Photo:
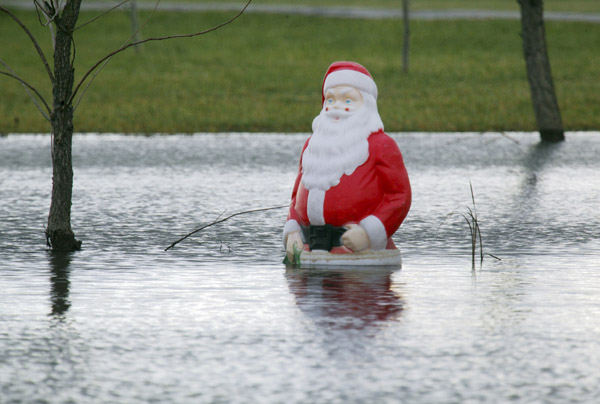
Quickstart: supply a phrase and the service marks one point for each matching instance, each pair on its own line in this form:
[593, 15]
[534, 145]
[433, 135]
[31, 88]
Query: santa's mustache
[336, 114]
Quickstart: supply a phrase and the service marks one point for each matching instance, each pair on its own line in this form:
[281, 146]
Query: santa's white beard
[338, 147]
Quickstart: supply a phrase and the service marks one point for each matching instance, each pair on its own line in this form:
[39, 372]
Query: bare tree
[406, 38]
[543, 96]
[63, 16]
[135, 27]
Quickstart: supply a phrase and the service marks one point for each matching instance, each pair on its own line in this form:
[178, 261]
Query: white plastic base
[320, 258]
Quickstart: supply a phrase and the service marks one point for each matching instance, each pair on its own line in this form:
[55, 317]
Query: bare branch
[29, 86]
[222, 220]
[46, 8]
[100, 15]
[162, 38]
[35, 43]
[48, 23]
[28, 91]
[37, 11]
[50, 12]
[97, 71]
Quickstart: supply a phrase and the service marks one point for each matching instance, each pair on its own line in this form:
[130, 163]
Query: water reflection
[539, 156]
[59, 283]
[531, 220]
[523, 215]
[503, 299]
[350, 298]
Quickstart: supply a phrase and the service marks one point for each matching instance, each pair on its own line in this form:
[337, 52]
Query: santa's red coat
[379, 188]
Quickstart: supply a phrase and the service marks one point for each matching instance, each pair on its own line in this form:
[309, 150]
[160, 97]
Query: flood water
[220, 319]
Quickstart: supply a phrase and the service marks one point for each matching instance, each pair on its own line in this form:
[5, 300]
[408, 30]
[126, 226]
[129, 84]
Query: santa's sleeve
[293, 221]
[393, 178]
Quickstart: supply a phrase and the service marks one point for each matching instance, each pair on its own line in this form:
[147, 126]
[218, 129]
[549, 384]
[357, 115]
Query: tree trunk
[406, 39]
[59, 235]
[543, 96]
[135, 28]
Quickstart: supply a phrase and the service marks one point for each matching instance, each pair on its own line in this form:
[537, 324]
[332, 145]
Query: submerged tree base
[552, 135]
[62, 241]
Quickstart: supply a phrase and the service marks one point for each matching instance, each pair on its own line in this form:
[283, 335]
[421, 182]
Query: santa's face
[339, 141]
[342, 101]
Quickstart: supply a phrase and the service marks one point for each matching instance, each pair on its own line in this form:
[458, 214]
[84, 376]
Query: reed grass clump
[474, 230]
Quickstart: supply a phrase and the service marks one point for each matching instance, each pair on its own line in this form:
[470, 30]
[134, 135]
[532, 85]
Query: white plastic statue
[352, 191]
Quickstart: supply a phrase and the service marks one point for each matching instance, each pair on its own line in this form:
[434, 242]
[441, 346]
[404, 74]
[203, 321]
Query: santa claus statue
[352, 191]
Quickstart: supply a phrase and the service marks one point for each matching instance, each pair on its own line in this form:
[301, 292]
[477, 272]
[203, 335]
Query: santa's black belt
[323, 237]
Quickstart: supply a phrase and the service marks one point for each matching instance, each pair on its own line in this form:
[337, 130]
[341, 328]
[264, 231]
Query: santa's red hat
[349, 74]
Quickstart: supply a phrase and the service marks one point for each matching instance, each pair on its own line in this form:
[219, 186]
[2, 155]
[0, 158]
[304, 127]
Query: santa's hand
[294, 243]
[356, 238]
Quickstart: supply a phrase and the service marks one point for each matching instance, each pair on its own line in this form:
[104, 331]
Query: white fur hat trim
[351, 78]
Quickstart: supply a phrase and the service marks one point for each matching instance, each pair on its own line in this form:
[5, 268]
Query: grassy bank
[264, 73]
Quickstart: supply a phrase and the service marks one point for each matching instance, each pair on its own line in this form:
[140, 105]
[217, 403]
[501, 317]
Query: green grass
[264, 72]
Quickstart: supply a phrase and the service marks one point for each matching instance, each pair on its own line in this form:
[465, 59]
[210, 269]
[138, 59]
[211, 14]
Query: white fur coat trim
[314, 207]
[376, 232]
[290, 227]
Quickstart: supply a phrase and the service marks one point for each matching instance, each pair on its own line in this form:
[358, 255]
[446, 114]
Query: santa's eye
[330, 100]
[348, 101]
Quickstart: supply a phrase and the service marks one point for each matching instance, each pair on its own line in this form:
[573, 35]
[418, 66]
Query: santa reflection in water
[352, 298]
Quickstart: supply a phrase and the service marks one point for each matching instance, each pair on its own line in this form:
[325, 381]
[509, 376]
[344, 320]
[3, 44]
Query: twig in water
[222, 220]
[226, 245]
